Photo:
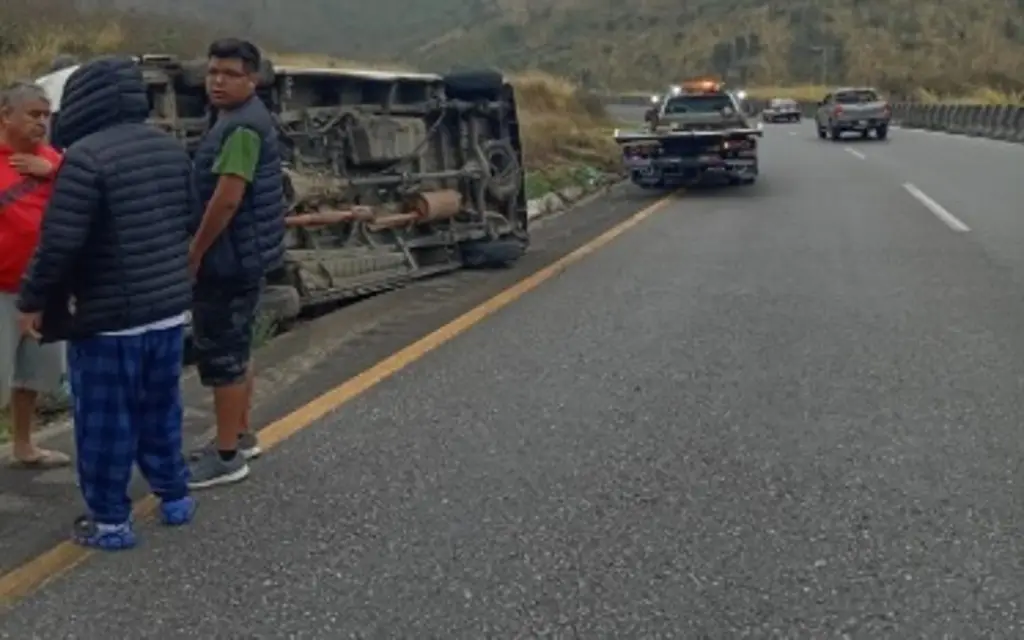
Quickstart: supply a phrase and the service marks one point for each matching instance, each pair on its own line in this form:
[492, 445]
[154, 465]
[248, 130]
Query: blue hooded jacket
[116, 233]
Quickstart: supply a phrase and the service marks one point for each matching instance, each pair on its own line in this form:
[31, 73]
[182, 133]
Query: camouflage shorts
[223, 317]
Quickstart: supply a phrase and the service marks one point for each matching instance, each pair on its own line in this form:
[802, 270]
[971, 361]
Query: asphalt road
[790, 410]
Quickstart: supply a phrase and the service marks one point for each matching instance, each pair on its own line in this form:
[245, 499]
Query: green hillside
[948, 46]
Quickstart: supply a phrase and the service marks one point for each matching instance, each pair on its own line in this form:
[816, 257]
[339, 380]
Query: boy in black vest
[238, 178]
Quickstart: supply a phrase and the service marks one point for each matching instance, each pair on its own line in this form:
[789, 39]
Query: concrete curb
[568, 197]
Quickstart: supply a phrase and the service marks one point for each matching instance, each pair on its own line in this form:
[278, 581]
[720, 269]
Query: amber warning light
[702, 86]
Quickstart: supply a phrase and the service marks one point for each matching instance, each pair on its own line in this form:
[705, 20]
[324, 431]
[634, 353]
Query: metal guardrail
[997, 122]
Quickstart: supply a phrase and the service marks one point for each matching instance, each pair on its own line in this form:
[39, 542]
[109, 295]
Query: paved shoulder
[781, 411]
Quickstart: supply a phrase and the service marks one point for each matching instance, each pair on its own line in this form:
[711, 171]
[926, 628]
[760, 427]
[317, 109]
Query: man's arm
[236, 166]
[65, 227]
[42, 167]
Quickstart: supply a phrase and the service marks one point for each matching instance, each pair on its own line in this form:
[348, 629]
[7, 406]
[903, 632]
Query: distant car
[853, 109]
[782, 110]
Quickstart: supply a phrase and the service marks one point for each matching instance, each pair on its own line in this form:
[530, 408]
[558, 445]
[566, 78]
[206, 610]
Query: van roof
[53, 83]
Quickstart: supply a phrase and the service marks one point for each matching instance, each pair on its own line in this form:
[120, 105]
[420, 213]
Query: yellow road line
[27, 578]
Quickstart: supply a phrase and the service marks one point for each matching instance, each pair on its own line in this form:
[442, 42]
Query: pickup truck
[693, 136]
[857, 109]
[781, 110]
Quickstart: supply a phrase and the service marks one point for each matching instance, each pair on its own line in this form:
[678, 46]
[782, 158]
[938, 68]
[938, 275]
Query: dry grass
[562, 125]
[813, 93]
[41, 47]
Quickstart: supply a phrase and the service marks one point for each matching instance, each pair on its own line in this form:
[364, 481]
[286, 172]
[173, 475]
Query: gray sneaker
[210, 470]
[248, 446]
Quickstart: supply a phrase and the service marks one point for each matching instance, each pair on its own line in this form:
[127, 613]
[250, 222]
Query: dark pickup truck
[782, 110]
[693, 136]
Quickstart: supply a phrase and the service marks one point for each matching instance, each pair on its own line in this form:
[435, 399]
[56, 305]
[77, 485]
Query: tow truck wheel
[882, 132]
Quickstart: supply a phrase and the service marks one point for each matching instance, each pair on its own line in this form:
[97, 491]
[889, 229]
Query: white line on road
[855, 153]
[792, 133]
[940, 212]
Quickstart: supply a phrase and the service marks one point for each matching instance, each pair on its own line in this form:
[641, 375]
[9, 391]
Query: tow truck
[696, 131]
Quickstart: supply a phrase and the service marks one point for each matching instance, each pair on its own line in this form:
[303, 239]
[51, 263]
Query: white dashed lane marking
[940, 212]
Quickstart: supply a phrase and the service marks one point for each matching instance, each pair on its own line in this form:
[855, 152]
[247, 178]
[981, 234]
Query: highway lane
[977, 180]
[789, 410]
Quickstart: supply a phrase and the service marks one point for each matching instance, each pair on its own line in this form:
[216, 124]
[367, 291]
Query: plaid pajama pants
[127, 410]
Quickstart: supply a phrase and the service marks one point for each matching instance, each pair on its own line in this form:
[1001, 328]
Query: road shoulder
[38, 507]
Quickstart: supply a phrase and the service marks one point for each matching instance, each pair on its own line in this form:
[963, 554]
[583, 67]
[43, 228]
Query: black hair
[236, 49]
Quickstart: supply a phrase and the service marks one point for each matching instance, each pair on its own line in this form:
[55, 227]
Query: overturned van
[390, 176]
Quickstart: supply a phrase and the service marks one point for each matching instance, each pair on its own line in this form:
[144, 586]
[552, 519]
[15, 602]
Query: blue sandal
[106, 537]
[177, 513]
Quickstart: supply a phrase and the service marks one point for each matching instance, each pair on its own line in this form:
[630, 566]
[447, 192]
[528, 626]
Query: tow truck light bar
[699, 85]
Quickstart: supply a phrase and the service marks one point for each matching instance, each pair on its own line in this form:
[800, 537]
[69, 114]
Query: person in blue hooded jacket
[111, 276]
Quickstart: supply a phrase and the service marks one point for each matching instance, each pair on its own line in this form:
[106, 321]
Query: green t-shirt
[239, 154]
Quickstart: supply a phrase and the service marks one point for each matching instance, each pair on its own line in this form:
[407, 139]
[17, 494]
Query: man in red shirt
[27, 167]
